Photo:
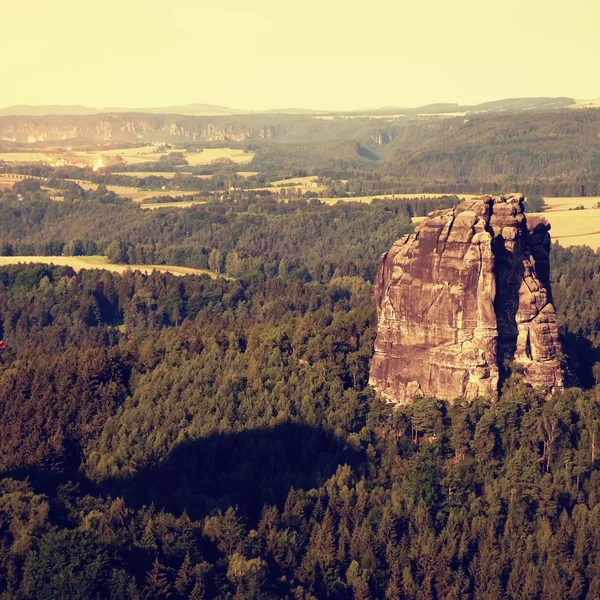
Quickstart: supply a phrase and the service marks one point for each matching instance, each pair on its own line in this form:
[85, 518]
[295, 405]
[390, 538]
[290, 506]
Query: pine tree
[197, 592]
[157, 585]
[148, 542]
[132, 589]
[184, 576]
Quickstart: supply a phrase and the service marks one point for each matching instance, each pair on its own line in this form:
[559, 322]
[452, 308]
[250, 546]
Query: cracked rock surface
[464, 299]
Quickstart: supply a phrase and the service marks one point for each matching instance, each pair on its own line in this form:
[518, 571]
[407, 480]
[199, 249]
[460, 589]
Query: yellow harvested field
[134, 194]
[141, 195]
[209, 155]
[304, 184]
[244, 173]
[166, 175]
[591, 239]
[158, 205]
[562, 204]
[23, 157]
[295, 181]
[586, 103]
[575, 227]
[302, 188]
[100, 262]
[130, 156]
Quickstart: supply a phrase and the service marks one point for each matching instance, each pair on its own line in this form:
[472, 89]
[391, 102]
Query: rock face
[464, 298]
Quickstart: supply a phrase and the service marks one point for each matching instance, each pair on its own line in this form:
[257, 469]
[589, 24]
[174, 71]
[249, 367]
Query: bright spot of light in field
[99, 164]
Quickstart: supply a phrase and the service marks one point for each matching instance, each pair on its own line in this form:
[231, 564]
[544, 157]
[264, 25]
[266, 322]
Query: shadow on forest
[582, 356]
[245, 469]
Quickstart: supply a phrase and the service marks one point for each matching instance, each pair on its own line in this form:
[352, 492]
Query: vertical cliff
[461, 298]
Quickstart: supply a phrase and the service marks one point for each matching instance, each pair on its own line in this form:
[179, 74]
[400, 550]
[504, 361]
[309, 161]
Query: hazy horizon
[334, 56]
[271, 108]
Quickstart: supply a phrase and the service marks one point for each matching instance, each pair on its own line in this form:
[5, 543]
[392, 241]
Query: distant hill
[214, 110]
[523, 104]
[449, 108]
[293, 111]
[50, 109]
[441, 107]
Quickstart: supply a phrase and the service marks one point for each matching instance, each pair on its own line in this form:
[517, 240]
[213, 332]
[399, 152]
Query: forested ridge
[165, 437]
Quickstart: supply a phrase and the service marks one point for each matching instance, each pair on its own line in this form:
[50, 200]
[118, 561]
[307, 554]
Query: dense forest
[252, 235]
[165, 437]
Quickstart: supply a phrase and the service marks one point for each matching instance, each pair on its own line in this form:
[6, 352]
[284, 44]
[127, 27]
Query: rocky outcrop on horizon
[462, 301]
[131, 128]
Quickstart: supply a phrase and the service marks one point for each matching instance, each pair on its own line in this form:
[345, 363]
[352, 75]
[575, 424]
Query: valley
[299, 300]
[222, 364]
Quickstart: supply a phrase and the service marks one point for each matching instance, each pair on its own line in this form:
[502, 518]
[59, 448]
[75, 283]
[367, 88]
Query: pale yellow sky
[328, 54]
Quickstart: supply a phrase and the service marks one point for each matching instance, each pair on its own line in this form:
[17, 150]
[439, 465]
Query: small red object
[3, 347]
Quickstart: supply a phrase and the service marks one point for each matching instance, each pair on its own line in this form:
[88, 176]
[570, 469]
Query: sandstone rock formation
[464, 298]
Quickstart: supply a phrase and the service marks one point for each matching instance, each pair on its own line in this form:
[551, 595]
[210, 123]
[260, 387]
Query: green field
[100, 262]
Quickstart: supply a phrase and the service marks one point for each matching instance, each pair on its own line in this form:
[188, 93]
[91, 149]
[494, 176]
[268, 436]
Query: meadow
[100, 262]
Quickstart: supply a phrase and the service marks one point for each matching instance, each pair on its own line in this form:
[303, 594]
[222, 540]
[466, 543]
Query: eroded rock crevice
[462, 301]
